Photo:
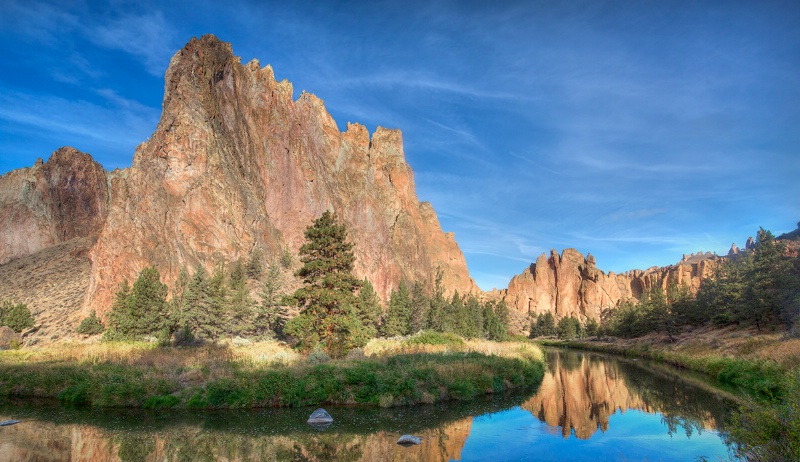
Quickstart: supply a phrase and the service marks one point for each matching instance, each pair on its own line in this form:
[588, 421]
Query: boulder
[320, 419]
[8, 338]
[409, 440]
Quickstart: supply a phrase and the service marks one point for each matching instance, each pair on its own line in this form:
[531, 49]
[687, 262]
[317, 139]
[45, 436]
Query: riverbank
[761, 365]
[385, 373]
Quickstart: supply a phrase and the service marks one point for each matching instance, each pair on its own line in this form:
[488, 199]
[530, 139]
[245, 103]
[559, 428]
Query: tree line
[338, 312]
[759, 288]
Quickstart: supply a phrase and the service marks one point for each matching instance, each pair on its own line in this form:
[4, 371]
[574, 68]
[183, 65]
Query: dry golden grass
[209, 357]
[393, 346]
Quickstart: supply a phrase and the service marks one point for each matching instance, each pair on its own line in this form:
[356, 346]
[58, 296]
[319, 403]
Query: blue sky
[634, 130]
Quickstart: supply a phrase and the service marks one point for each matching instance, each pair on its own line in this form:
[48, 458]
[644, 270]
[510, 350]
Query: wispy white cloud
[148, 37]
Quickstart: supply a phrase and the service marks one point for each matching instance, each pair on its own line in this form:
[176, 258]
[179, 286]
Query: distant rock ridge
[571, 284]
[51, 202]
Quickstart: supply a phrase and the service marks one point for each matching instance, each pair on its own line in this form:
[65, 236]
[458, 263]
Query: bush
[17, 317]
[429, 337]
[318, 357]
[91, 325]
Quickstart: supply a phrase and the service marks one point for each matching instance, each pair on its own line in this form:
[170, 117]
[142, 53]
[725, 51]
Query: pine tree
[327, 299]
[239, 304]
[91, 325]
[438, 303]
[142, 309]
[398, 315]
[255, 264]
[420, 308]
[272, 314]
[368, 308]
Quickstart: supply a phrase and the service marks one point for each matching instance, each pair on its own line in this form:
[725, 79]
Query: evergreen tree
[420, 308]
[142, 309]
[473, 318]
[255, 264]
[239, 313]
[436, 313]
[592, 328]
[91, 325]
[327, 299]
[569, 328]
[493, 324]
[544, 325]
[272, 314]
[398, 315]
[368, 308]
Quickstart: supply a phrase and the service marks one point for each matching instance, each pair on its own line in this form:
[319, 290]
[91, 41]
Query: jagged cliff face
[236, 164]
[571, 285]
[51, 203]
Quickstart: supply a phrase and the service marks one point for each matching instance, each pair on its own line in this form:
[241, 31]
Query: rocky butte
[235, 164]
[571, 284]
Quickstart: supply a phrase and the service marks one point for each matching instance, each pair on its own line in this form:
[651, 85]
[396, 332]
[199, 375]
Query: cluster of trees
[758, 288]
[17, 316]
[338, 312]
[411, 311]
[567, 328]
[202, 305]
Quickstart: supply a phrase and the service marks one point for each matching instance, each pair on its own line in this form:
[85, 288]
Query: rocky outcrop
[235, 164]
[51, 202]
[571, 285]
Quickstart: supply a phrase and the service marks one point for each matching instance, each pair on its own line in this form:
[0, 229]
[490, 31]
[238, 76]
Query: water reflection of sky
[516, 435]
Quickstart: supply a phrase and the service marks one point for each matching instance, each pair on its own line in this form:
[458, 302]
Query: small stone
[409, 440]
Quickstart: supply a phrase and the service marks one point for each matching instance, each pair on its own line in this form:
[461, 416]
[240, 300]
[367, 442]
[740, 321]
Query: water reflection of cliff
[204, 440]
[580, 392]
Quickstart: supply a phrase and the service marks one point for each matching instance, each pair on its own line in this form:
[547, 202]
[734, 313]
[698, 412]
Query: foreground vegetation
[427, 368]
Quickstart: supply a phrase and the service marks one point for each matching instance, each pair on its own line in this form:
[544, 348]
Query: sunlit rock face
[236, 164]
[571, 285]
[51, 202]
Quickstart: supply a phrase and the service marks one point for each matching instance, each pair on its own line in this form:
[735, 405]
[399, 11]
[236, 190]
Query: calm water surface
[588, 407]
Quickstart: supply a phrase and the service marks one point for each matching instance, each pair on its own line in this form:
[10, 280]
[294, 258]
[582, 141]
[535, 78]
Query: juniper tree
[327, 299]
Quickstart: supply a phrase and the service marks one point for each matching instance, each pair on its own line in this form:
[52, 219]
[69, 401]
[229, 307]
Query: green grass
[391, 380]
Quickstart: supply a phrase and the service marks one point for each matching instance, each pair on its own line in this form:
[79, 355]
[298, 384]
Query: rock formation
[571, 285]
[235, 164]
[52, 202]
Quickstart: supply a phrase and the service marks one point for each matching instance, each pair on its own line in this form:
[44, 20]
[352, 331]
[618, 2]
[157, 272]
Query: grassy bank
[385, 373]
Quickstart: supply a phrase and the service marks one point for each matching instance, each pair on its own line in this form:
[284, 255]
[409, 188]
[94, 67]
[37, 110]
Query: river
[589, 407]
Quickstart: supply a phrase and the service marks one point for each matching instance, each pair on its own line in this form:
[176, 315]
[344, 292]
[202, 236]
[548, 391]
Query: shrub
[17, 317]
[91, 325]
[429, 337]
